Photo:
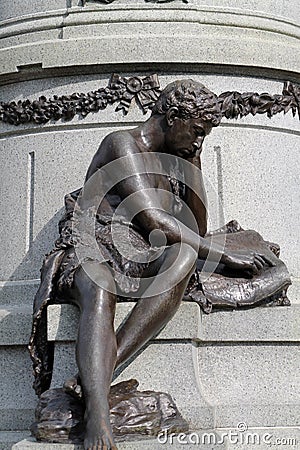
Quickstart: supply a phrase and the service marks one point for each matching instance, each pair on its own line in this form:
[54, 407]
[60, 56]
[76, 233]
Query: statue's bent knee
[93, 275]
[185, 255]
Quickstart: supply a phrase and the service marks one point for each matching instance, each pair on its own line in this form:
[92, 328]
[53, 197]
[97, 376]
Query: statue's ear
[171, 115]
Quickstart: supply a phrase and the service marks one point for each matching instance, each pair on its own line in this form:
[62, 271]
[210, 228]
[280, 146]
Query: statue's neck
[150, 136]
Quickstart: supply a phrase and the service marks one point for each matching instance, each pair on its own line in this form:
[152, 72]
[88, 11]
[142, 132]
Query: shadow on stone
[133, 414]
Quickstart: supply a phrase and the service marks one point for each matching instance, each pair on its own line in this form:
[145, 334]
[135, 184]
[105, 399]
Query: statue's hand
[246, 260]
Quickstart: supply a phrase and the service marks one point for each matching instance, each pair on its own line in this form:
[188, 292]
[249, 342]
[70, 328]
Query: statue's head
[190, 111]
[191, 100]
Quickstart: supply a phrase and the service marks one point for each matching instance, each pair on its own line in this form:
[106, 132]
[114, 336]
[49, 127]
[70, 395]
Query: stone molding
[106, 2]
[77, 36]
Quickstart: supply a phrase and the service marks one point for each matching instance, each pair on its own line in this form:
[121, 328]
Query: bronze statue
[145, 184]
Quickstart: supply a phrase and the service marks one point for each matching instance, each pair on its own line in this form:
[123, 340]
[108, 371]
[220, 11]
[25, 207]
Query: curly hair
[192, 99]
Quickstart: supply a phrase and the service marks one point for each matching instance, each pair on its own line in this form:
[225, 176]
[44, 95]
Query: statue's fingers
[268, 260]
[259, 264]
[261, 260]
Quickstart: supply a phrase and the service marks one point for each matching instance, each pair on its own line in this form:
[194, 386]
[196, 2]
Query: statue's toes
[72, 387]
[78, 390]
[71, 383]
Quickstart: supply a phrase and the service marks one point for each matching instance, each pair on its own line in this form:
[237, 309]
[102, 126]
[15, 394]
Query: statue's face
[185, 137]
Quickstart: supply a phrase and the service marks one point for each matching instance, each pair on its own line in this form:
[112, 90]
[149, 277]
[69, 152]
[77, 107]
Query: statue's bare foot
[73, 387]
[98, 436]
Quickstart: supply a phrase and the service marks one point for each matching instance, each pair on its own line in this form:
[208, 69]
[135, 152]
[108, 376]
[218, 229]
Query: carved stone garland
[145, 91]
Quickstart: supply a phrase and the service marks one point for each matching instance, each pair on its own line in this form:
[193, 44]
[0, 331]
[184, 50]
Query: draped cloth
[224, 288]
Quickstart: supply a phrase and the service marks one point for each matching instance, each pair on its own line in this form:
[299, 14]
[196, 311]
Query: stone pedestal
[221, 369]
[226, 371]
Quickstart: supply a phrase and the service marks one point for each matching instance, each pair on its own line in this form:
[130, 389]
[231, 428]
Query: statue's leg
[153, 311]
[96, 350]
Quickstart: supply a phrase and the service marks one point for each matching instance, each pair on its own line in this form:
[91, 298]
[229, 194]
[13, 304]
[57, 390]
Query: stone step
[15, 324]
[63, 321]
[203, 350]
[17, 417]
[219, 439]
[141, 444]
[277, 324]
[269, 324]
[9, 438]
[219, 368]
[18, 292]
[17, 401]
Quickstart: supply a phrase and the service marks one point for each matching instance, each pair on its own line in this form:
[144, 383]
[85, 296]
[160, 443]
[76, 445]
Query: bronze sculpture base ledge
[133, 414]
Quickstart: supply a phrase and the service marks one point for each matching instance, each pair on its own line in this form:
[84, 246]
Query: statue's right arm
[146, 205]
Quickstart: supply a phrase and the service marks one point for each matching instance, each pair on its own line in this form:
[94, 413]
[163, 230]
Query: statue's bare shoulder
[115, 145]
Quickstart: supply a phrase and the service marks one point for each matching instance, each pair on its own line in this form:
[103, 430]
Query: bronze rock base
[133, 414]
